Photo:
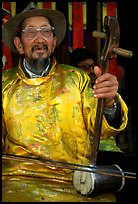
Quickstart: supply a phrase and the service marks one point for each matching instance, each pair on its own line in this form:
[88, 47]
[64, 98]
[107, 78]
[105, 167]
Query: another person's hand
[106, 86]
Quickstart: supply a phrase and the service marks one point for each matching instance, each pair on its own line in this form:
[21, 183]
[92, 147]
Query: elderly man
[48, 109]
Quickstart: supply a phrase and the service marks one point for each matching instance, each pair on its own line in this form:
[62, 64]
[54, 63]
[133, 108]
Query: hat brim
[10, 27]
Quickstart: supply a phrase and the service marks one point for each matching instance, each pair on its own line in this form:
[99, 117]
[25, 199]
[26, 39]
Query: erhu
[92, 183]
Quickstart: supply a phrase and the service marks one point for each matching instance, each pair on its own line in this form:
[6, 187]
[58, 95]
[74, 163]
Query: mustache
[39, 47]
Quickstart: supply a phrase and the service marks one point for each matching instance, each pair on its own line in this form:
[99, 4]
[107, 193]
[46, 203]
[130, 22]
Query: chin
[40, 55]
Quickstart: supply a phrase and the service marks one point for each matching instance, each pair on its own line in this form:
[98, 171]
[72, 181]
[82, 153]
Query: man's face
[86, 65]
[36, 45]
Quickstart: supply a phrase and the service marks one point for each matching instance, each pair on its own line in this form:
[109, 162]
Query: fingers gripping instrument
[91, 183]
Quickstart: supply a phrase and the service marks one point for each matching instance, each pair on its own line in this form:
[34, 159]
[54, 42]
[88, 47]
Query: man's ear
[18, 45]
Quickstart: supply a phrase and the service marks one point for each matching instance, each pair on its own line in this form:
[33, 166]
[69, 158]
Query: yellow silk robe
[50, 117]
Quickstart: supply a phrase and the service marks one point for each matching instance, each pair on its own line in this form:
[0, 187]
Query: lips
[39, 48]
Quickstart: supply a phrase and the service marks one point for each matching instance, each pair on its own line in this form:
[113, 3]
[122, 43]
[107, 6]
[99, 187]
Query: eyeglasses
[87, 66]
[31, 32]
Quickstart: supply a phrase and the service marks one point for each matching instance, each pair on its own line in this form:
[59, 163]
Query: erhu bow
[65, 165]
[91, 183]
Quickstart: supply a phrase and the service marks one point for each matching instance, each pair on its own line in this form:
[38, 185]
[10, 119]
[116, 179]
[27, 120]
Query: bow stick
[65, 165]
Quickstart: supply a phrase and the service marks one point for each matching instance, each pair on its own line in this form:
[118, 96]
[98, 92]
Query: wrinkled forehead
[36, 20]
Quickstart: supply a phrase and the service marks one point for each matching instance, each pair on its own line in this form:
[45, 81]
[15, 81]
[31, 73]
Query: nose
[39, 37]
